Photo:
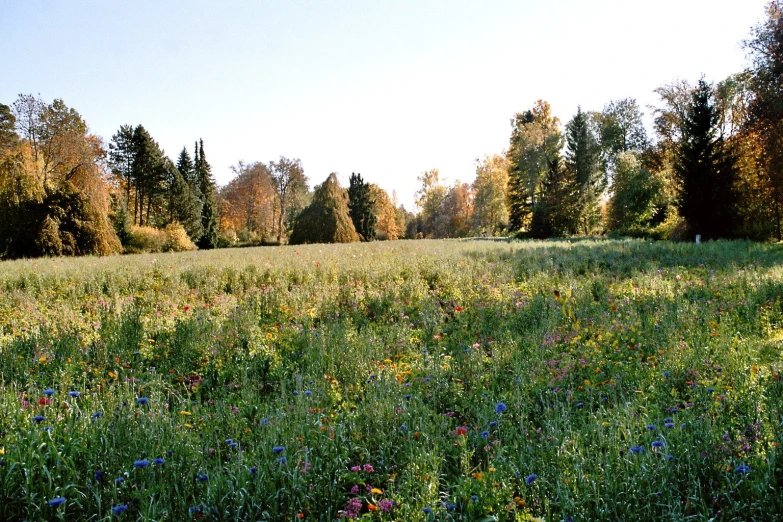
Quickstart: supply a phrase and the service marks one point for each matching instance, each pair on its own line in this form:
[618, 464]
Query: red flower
[461, 430]
[43, 401]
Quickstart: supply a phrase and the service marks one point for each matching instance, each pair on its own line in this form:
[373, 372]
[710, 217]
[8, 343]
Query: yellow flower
[376, 491]
[112, 375]
[183, 412]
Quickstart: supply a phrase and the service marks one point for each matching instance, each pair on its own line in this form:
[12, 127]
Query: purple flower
[385, 505]
[650, 427]
[356, 469]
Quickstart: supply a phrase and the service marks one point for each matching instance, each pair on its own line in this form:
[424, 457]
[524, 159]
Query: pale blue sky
[388, 89]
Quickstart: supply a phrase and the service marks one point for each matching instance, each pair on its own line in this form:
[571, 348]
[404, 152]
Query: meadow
[405, 380]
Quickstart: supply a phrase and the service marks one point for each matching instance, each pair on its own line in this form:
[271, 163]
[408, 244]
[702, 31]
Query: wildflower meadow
[402, 381]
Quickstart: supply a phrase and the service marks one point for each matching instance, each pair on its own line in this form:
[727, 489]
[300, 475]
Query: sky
[385, 89]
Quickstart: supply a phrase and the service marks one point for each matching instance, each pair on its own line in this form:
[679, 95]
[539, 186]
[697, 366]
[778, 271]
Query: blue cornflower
[580, 404]
[403, 428]
[492, 424]
[666, 374]
[278, 449]
[710, 390]
[742, 468]
[142, 400]
[637, 449]
[119, 480]
[56, 501]
[308, 393]
[407, 397]
[253, 471]
[96, 415]
[202, 477]
[49, 392]
[195, 509]
[650, 427]
[159, 461]
[48, 428]
[233, 444]
[119, 509]
[669, 425]
[500, 408]
[474, 498]
[296, 392]
[39, 418]
[281, 460]
[670, 457]
[485, 434]
[143, 463]
[530, 479]
[451, 507]
[229, 441]
[73, 394]
[427, 510]
[98, 475]
[264, 421]
[657, 444]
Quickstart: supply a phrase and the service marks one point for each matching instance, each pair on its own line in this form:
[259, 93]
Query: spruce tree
[184, 206]
[553, 215]
[583, 164]
[705, 169]
[208, 196]
[361, 205]
[187, 169]
[326, 219]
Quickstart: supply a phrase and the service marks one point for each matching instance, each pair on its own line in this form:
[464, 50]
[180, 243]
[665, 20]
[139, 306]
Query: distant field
[404, 380]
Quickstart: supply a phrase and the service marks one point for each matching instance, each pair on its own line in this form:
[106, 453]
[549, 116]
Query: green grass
[396, 355]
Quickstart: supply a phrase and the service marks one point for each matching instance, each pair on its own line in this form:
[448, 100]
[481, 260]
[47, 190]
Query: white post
[698, 239]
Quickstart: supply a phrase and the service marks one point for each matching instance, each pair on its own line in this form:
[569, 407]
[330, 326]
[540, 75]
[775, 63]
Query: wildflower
[451, 507]
[742, 468]
[143, 463]
[355, 490]
[637, 449]
[195, 509]
[296, 393]
[474, 498]
[56, 501]
[119, 480]
[710, 390]
[43, 401]
[485, 434]
[278, 449]
[669, 425]
[356, 469]
[368, 468]
[263, 421]
[461, 430]
[530, 479]
[666, 374]
[427, 510]
[73, 394]
[96, 415]
[38, 419]
[98, 475]
[49, 392]
[253, 471]
[376, 491]
[580, 404]
[119, 509]
[159, 461]
[492, 424]
[385, 505]
[309, 393]
[657, 444]
[403, 428]
[500, 408]
[142, 400]
[650, 427]
[202, 477]
[407, 397]
[281, 460]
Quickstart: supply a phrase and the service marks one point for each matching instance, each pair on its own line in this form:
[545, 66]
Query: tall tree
[208, 196]
[122, 153]
[289, 183]
[766, 107]
[387, 225]
[620, 129]
[184, 206]
[583, 163]
[8, 137]
[149, 177]
[535, 142]
[326, 219]
[360, 207]
[636, 193]
[705, 169]
[551, 217]
[490, 211]
[248, 201]
[186, 167]
[429, 199]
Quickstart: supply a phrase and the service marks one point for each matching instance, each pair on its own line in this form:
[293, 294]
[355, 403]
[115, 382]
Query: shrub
[177, 238]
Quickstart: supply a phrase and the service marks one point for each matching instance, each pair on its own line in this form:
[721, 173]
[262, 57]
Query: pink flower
[356, 469]
[355, 490]
[368, 468]
[385, 505]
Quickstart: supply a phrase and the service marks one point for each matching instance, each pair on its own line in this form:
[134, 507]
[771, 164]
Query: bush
[172, 238]
[177, 238]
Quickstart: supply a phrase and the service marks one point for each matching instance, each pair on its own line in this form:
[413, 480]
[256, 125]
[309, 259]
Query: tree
[122, 153]
[248, 201]
[326, 219]
[620, 129]
[582, 162]
[551, 217]
[705, 169]
[149, 177]
[535, 142]
[186, 167]
[208, 197]
[184, 207]
[457, 208]
[766, 106]
[387, 224]
[360, 207]
[290, 183]
[637, 191]
[429, 199]
[490, 211]
[8, 137]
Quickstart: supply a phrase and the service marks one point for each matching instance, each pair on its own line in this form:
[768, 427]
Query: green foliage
[208, 196]
[184, 206]
[705, 169]
[361, 207]
[556, 213]
[582, 158]
[636, 196]
[121, 221]
[326, 219]
[8, 137]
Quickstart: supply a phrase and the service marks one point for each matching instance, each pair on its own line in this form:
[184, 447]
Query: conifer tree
[360, 205]
[326, 219]
[705, 169]
[187, 169]
[583, 165]
[553, 216]
[208, 197]
[184, 207]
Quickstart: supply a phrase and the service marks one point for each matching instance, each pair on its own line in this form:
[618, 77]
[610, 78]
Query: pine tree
[705, 169]
[360, 205]
[583, 164]
[208, 196]
[326, 219]
[184, 207]
[553, 215]
[187, 169]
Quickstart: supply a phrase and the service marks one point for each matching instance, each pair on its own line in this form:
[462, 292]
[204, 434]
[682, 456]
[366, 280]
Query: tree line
[712, 166]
